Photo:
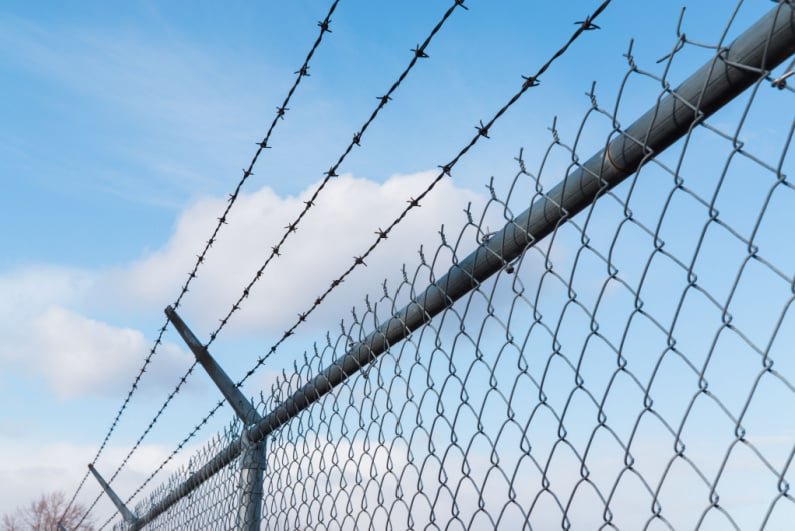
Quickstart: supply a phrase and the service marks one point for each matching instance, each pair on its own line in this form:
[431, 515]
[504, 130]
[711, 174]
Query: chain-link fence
[619, 355]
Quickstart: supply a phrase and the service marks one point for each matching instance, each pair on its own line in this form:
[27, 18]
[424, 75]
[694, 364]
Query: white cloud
[26, 292]
[46, 333]
[29, 469]
[78, 328]
[80, 354]
[341, 226]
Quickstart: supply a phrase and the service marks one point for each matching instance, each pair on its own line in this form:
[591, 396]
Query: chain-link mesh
[215, 507]
[631, 370]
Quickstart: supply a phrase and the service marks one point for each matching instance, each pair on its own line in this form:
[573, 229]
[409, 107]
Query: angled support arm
[126, 514]
[242, 406]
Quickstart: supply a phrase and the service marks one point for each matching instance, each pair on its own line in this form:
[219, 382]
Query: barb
[302, 72]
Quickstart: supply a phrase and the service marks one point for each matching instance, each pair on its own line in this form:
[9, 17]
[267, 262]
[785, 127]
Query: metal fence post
[126, 514]
[253, 459]
[252, 469]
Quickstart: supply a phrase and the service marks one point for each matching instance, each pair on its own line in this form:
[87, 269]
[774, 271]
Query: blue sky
[123, 128]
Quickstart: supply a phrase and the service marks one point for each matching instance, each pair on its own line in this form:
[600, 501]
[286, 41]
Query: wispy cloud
[170, 110]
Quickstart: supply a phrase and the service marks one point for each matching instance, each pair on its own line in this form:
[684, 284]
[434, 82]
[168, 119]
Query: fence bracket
[128, 516]
[242, 406]
[253, 459]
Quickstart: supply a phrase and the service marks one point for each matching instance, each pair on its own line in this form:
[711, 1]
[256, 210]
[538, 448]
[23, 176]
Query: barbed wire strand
[262, 145]
[482, 131]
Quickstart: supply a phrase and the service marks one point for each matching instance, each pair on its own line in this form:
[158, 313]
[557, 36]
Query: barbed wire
[419, 53]
[382, 234]
[302, 72]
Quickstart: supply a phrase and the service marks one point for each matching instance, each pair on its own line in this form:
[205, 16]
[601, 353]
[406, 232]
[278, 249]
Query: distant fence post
[126, 514]
[252, 463]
